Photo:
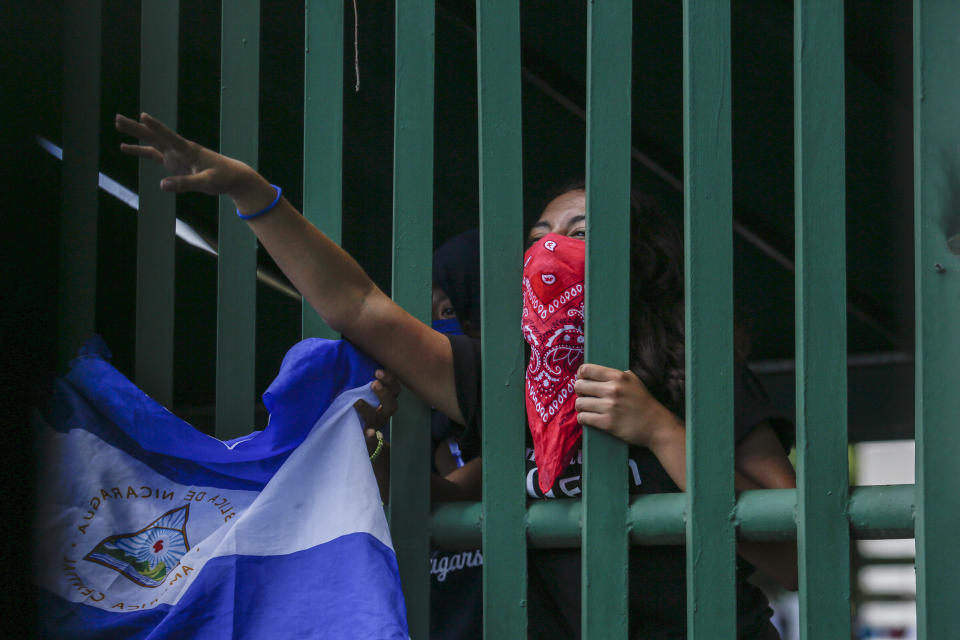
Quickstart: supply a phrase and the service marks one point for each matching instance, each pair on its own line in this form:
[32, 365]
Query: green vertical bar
[412, 275]
[937, 236]
[237, 261]
[708, 265]
[501, 257]
[322, 132]
[81, 157]
[823, 533]
[156, 222]
[605, 554]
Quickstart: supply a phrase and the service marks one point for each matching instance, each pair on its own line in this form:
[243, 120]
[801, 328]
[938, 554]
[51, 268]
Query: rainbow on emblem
[146, 556]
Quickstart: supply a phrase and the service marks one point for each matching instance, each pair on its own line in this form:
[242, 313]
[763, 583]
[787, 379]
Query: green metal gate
[823, 513]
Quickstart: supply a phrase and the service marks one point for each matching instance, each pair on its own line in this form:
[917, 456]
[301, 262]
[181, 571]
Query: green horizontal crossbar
[875, 512]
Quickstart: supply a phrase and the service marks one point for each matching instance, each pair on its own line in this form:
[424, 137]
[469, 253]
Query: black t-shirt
[456, 595]
[657, 573]
[456, 580]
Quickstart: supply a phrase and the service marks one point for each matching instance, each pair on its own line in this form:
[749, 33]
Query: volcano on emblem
[548, 278]
[145, 557]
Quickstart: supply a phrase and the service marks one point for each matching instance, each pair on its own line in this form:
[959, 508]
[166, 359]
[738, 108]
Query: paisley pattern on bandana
[552, 324]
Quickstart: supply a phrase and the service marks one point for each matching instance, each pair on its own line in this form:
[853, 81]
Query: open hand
[193, 167]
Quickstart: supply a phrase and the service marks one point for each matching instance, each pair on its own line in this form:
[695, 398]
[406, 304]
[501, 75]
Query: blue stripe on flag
[96, 397]
[347, 588]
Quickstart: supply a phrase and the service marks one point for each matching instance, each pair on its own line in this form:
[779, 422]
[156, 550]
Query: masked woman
[641, 407]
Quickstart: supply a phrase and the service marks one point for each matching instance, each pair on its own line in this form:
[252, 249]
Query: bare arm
[759, 464]
[617, 402]
[460, 485]
[329, 278]
[349, 302]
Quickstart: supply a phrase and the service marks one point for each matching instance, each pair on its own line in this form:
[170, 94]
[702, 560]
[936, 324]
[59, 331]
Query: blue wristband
[266, 209]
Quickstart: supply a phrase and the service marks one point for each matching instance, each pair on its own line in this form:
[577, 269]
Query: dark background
[879, 186]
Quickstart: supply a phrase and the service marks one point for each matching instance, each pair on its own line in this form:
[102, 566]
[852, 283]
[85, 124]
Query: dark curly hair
[656, 302]
[657, 299]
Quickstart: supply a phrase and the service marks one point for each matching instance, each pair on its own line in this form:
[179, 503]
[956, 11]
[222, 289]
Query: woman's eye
[579, 233]
[448, 312]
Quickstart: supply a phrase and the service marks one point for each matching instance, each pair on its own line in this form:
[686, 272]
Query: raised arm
[326, 275]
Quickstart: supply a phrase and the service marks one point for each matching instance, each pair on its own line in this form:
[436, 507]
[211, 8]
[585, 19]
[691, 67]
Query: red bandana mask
[552, 324]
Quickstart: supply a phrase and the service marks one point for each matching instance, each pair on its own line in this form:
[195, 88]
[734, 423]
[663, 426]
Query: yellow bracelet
[376, 452]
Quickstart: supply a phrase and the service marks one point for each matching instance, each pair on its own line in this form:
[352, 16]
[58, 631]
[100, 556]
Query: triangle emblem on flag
[146, 556]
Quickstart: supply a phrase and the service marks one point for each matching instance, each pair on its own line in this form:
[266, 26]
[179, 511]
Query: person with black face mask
[456, 576]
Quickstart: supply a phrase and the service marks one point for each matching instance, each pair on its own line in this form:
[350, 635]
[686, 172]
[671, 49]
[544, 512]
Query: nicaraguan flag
[147, 528]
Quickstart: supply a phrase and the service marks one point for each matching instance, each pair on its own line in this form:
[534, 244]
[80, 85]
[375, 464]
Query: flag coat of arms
[148, 528]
